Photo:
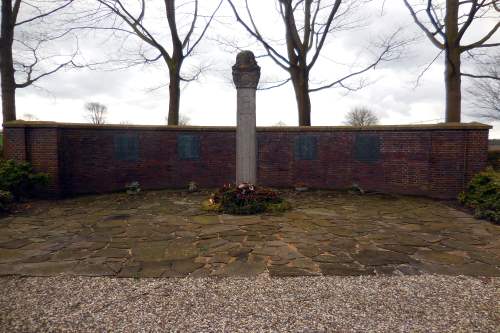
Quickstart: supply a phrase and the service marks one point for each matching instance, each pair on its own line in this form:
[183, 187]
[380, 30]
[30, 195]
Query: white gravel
[424, 303]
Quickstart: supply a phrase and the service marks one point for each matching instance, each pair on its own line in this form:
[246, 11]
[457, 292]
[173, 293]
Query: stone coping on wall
[419, 127]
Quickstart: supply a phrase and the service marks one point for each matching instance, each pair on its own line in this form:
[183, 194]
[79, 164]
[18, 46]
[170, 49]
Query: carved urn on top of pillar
[246, 74]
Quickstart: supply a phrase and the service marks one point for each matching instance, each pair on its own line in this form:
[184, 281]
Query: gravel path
[425, 303]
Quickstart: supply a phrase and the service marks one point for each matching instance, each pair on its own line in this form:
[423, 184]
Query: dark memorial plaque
[367, 148]
[188, 147]
[126, 147]
[306, 147]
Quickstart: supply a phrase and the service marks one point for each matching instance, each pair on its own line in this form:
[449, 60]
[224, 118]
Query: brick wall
[432, 160]
[90, 164]
[39, 146]
[14, 143]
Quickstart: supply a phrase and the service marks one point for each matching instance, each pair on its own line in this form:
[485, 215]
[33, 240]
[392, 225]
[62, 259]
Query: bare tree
[21, 62]
[307, 25]
[445, 27]
[29, 117]
[183, 120]
[485, 93]
[361, 116]
[96, 113]
[184, 35]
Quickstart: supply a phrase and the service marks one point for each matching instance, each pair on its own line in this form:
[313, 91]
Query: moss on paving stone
[242, 268]
[338, 257]
[15, 244]
[380, 258]
[399, 248]
[93, 269]
[447, 258]
[186, 266]
[345, 270]
[285, 271]
[112, 253]
[158, 269]
[130, 270]
[206, 219]
[166, 234]
[149, 252]
[48, 268]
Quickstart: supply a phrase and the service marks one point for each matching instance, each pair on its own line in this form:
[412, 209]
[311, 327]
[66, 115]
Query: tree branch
[481, 76]
[390, 45]
[275, 55]
[276, 85]
[482, 41]
[325, 33]
[429, 34]
[41, 15]
[190, 50]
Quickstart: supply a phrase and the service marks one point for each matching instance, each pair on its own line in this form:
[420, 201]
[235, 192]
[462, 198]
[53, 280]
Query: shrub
[19, 179]
[494, 159]
[245, 199]
[483, 195]
[6, 200]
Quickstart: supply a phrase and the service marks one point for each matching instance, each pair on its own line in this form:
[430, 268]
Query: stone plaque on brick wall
[367, 148]
[188, 147]
[126, 147]
[306, 147]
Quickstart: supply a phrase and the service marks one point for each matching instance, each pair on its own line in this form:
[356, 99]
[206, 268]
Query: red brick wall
[432, 160]
[90, 165]
[14, 144]
[40, 147]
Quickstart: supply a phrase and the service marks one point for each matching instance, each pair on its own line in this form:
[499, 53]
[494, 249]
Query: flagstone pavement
[166, 234]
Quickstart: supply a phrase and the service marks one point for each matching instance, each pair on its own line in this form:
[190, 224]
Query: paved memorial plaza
[166, 234]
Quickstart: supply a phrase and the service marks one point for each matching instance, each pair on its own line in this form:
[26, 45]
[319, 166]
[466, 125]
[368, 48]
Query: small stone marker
[246, 74]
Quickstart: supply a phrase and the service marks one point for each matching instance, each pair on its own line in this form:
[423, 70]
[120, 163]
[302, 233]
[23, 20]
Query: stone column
[246, 74]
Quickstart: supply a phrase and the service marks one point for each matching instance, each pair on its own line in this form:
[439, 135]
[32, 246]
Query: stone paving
[166, 234]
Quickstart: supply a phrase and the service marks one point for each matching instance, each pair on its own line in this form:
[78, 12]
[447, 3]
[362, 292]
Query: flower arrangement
[245, 199]
[192, 187]
[133, 188]
[301, 187]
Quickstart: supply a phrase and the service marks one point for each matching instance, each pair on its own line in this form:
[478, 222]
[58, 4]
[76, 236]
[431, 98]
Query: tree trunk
[174, 97]
[452, 74]
[6, 64]
[8, 93]
[300, 80]
[453, 86]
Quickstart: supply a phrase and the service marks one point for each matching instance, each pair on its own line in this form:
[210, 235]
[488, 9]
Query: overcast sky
[139, 95]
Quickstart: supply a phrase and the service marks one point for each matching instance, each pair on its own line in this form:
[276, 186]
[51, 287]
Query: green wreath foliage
[245, 199]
